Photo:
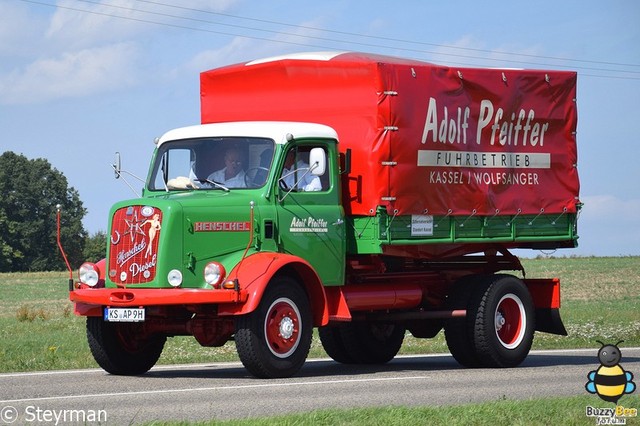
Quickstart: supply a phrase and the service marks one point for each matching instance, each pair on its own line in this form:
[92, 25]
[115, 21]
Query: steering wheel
[251, 175]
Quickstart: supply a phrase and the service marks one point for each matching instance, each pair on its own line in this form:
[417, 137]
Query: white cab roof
[308, 56]
[276, 130]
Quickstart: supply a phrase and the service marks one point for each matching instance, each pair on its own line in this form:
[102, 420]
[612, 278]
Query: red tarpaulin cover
[425, 139]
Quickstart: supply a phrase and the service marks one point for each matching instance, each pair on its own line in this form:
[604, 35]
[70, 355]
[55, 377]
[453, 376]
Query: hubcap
[282, 327]
[500, 321]
[286, 328]
[510, 321]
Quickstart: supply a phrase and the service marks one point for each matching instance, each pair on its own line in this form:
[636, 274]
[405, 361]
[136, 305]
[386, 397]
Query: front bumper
[90, 301]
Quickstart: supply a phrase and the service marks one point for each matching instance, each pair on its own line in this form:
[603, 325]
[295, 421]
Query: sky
[80, 80]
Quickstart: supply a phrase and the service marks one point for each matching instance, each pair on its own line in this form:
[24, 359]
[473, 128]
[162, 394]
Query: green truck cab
[193, 253]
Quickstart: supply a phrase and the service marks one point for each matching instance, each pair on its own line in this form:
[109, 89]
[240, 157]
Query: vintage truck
[365, 195]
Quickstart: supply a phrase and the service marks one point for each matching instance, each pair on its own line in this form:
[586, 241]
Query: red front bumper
[89, 302]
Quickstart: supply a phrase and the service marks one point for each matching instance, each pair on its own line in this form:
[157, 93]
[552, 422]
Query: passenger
[263, 169]
[299, 170]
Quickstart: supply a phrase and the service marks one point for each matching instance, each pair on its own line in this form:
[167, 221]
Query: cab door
[311, 221]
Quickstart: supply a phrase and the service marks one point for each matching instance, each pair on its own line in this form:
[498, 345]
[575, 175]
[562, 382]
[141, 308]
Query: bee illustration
[610, 381]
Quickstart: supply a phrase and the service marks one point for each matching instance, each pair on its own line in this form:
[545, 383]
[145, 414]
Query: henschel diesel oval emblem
[146, 211]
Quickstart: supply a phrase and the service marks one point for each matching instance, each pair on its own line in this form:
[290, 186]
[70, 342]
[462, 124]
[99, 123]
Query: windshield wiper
[212, 182]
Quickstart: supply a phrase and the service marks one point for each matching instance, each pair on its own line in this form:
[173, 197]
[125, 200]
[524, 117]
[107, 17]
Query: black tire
[274, 340]
[331, 338]
[504, 323]
[499, 326]
[458, 332]
[372, 342]
[123, 348]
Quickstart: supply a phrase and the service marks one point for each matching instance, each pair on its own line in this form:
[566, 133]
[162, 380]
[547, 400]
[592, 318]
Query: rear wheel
[372, 342]
[274, 340]
[499, 326]
[123, 348]
[458, 332]
[331, 338]
[504, 325]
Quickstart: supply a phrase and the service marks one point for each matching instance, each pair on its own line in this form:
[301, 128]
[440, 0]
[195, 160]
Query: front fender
[256, 271]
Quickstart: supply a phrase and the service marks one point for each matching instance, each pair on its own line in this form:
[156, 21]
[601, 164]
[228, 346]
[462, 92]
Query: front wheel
[123, 348]
[274, 340]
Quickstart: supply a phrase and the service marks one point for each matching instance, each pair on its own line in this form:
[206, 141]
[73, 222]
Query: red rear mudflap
[545, 293]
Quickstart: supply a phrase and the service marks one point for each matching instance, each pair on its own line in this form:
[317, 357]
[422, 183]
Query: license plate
[124, 314]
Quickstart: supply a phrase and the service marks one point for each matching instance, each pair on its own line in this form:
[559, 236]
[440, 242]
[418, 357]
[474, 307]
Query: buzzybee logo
[610, 382]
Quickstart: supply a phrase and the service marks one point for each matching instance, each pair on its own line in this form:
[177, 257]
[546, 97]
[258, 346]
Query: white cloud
[470, 51]
[72, 74]
[608, 226]
[241, 49]
[17, 30]
[610, 208]
[77, 24]
[233, 52]
[79, 49]
[83, 24]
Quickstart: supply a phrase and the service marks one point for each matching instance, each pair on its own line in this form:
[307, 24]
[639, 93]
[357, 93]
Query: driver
[232, 175]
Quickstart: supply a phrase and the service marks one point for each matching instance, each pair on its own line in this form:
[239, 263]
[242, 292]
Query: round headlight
[174, 277]
[214, 273]
[89, 274]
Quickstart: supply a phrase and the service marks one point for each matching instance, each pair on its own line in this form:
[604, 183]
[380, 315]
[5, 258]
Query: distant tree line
[30, 190]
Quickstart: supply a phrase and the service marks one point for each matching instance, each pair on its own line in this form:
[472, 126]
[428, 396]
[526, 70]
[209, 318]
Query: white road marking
[214, 388]
[238, 364]
[269, 384]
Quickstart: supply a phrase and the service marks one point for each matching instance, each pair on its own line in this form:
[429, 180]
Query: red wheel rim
[282, 327]
[510, 321]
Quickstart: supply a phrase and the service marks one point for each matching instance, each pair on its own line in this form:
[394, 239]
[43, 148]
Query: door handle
[338, 222]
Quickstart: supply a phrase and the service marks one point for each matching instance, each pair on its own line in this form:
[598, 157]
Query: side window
[175, 163]
[297, 176]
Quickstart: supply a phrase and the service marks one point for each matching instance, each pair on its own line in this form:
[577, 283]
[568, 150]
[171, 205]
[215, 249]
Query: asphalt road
[225, 390]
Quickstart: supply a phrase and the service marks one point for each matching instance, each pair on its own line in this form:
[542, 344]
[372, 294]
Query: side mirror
[117, 170]
[117, 166]
[317, 161]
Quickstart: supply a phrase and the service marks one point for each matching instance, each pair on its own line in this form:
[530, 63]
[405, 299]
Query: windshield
[212, 163]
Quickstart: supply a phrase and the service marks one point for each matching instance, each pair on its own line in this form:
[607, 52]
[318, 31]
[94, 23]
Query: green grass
[39, 331]
[547, 411]
[600, 300]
